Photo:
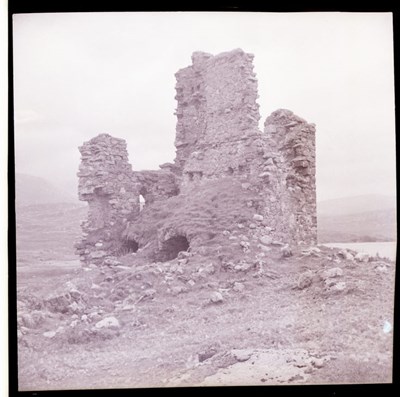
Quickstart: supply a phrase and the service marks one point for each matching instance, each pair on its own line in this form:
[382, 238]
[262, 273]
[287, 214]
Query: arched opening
[128, 247]
[172, 247]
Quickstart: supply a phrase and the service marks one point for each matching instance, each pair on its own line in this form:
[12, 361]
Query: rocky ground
[315, 315]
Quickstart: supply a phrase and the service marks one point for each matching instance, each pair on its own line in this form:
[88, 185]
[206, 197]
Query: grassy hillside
[357, 219]
[362, 227]
[202, 214]
[48, 231]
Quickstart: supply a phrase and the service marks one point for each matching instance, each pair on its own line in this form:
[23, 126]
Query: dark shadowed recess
[172, 247]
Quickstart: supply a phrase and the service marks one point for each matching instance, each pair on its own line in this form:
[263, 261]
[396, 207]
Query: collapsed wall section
[113, 190]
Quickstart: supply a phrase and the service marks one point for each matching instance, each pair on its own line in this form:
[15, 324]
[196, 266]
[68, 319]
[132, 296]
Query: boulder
[49, 334]
[266, 240]
[176, 290]
[338, 287]
[28, 321]
[264, 248]
[277, 243]
[362, 257]
[243, 266]
[59, 303]
[245, 245]
[381, 268]
[205, 355]
[344, 254]
[286, 251]
[305, 280]
[332, 272]
[216, 297]
[241, 355]
[110, 261]
[317, 362]
[209, 269]
[75, 307]
[311, 251]
[150, 293]
[238, 287]
[349, 256]
[329, 282]
[97, 254]
[108, 322]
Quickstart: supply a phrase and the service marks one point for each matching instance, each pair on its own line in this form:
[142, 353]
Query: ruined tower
[216, 106]
[228, 175]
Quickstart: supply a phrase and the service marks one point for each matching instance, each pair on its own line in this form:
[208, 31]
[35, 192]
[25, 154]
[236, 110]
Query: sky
[80, 74]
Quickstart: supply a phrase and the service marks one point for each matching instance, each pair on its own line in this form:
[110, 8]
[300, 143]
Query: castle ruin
[229, 179]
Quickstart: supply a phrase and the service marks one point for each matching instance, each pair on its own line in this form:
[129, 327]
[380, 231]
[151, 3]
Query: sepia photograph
[204, 199]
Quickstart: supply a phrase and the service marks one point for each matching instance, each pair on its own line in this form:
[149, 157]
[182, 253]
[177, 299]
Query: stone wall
[217, 114]
[292, 143]
[105, 182]
[279, 164]
[156, 185]
[217, 137]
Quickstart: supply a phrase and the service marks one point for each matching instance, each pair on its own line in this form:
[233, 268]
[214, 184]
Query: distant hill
[32, 190]
[47, 220]
[356, 205]
[357, 219]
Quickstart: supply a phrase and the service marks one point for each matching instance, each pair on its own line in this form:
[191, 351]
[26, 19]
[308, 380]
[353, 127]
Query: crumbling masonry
[219, 149]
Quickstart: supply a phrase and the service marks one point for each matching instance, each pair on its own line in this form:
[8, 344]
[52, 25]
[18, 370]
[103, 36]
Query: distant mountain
[356, 205]
[357, 219]
[32, 190]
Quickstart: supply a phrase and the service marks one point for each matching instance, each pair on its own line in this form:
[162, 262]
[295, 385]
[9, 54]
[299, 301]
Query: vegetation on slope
[201, 215]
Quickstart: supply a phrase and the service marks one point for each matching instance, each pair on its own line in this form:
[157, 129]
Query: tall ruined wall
[292, 143]
[105, 182]
[217, 114]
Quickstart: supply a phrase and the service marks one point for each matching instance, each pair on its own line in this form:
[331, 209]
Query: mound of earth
[306, 315]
